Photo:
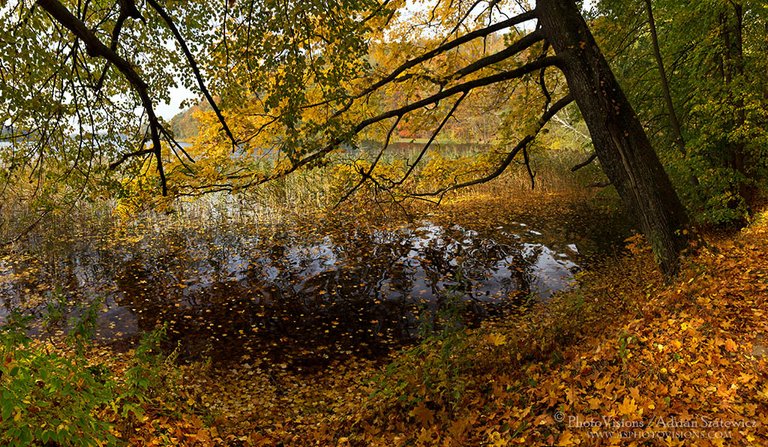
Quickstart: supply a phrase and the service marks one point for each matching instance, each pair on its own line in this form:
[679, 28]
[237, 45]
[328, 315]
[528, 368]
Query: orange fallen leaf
[422, 414]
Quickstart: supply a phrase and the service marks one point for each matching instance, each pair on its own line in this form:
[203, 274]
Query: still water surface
[291, 299]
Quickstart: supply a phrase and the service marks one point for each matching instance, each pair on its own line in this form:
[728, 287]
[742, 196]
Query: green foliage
[55, 308]
[82, 326]
[144, 373]
[58, 130]
[433, 372]
[625, 340]
[48, 398]
[713, 53]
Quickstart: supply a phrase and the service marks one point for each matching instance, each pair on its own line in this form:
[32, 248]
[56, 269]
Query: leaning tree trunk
[620, 142]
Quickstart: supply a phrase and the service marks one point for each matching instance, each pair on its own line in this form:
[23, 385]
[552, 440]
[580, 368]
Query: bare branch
[524, 43]
[542, 79]
[176, 148]
[570, 127]
[585, 163]
[523, 144]
[128, 156]
[465, 87]
[367, 175]
[431, 140]
[527, 161]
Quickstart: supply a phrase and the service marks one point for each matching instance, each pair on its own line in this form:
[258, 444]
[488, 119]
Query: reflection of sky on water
[373, 284]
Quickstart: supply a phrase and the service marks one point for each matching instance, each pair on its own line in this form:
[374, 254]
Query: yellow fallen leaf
[627, 407]
[496, 339]
[566, 439]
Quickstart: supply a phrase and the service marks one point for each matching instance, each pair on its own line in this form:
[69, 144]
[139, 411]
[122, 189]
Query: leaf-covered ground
[624, 359]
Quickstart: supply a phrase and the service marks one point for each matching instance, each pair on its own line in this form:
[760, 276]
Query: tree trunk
[620, 142]
[734, 62]
[673, 121]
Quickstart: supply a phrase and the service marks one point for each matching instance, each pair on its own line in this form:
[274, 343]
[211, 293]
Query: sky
[169, 110]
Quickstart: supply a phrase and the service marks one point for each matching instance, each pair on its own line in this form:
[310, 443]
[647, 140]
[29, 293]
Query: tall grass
[308, 194]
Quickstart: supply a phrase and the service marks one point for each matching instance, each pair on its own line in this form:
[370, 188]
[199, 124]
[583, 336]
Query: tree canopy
[713, 56]
[289, 84]
[296, 80]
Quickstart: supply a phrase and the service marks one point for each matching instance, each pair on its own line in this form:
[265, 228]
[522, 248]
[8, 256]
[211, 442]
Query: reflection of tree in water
[289, 300]
[142, 291]
[69, 272]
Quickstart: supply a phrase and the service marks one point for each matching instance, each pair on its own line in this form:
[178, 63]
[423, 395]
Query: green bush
[432, 372]
[47, 398]
[51, 398]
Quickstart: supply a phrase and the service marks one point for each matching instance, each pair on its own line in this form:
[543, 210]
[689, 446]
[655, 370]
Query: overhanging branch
[365, 175]
[464, 87]
[437, 97]
[431, 139]
[585, 163]
[516, 20]
[521, 145]
[195, 69]
[521, 45]
[96, 48]
[447, 46]
[126, 157]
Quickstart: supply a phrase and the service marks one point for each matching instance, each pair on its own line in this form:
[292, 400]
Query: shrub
[47, 398]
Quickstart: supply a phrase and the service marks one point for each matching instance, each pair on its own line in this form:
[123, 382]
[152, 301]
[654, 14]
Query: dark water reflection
[292, 300]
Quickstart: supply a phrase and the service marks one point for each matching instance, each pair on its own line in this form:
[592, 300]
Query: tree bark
[620, 142]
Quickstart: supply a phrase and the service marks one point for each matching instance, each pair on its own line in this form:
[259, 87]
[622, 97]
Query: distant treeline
[184, 125]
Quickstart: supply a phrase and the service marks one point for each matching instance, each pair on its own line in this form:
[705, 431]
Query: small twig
[367, 175]
[431, 140]
[522, 144]
[129, 155]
